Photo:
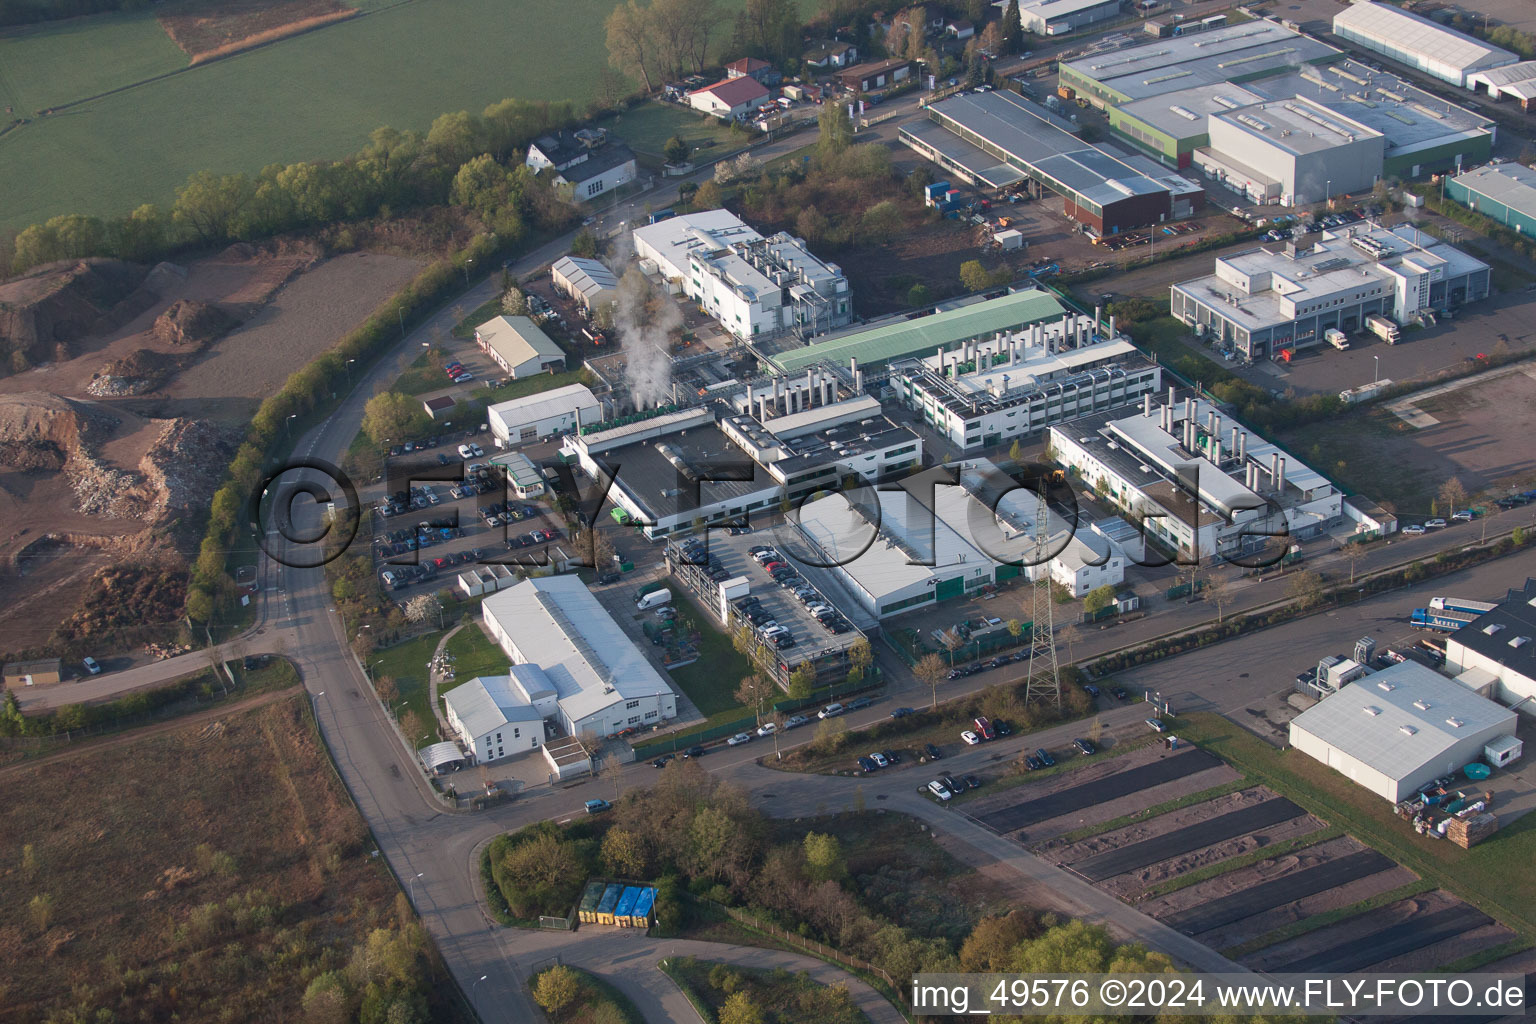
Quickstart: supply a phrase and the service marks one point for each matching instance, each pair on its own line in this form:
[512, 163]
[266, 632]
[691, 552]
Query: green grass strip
[1493, 954]
[1242, 860]
[1089, 831]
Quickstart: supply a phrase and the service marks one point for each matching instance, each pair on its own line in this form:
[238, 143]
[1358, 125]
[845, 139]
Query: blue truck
[1439, 620]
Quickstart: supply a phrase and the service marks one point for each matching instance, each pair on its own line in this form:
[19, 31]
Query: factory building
[881, 342]
[1395, 731]
[1203, 484]
[779, 440]
[1020, 382]
[542, 414]
[588, 282]
[1272, 300]
[924, 542]
[1059, 17]
[1418, 42]
[756, 287]
[1176, 90]
[1294, 153]
[1497, 650]
[1512, 81]
[995, 139]
[1505, 193]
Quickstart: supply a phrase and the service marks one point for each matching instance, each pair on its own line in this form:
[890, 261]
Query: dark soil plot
[1271, 894]
[1192, 837]
[1394, 940]
[1447, 950]
[1111, 787]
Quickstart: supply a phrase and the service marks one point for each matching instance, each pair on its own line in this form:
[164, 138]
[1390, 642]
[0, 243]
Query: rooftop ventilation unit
[1454, 722]
[1371, 710]
[1385, 686]
[1185, 112]
[1421, 704]
[1520, 641]
[1493, 627]
[1407, 730]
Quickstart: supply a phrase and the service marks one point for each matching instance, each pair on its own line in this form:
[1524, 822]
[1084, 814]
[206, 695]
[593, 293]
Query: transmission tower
[1044, 679]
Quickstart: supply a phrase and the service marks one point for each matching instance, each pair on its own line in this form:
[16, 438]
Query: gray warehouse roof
[1409, 33]
[1513, 185]
[1400, 719]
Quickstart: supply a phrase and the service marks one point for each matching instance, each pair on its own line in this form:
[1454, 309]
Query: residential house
[831, 54]
[750, 67]
[585, 159]
[875, 76]
[730, 97]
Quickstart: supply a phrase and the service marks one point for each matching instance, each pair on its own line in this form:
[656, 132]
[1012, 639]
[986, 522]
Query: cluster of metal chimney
[818, 388]
[1254, 474]
[1076, 331]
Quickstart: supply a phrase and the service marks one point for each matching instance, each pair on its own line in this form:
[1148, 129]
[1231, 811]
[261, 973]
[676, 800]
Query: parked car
[866, 765]
[1156, 724]
[767, 729]
[1434, 524]
[1032, 763]
[1091, 690]
[1044, 757]
[1466, 515]
[597, 806]
[939, 790]
[971, 781]
[881, 761]
[859, 703]
[984, 728]
[694, 752]
[902, 712]
[795, 721]
[91, 666]
[1120, 693]
[661, 762]
[1085, 747]
[831, 711]
[933, 752]
[739, 739]
[970, 738]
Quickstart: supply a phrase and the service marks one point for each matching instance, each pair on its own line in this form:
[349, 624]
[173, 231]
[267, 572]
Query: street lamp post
[472, 989]
[413, 888]
[1328, 202]
[466, 272]
[1377, 377]
[349, 371]
[288, 423]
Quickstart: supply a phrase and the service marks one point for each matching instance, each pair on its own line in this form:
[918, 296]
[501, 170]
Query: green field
[313, 96]
[648, 127]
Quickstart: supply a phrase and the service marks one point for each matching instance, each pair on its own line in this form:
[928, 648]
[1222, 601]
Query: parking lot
[425, 533]
[1398, 923]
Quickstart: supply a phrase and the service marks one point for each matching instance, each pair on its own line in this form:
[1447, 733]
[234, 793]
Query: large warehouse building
[755, 287]
[1270, 301]
[1502, 645]
[1059, 17]
[952, 324]
[1204, 484]
[1187, 98]
[1418, 42]
[1395, 731]
[1017, 384]
[1512, 81]
[995, 139]
[1504, 192]
[572, 662]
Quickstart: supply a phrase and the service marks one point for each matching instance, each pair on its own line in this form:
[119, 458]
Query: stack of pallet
[1467, 833]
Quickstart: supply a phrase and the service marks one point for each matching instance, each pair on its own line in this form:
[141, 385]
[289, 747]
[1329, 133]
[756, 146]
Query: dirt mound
[47, 309]
[183, 468]
[187, 322]
[43, 431]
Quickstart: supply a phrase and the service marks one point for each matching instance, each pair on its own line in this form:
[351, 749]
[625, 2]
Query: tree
[930, 670]
[41, 909]
[211, 204]
[882, 221]
[556, 988]
[1012, 28]
[629, 42]
[1218, 591]
[755, 692]
[952, 642]
[991, 39]
[802, 681]
[1453, 495]
[740, 1009]
[811, 224]
[584, 244]
[1306, 589]
[824, 857]
[624, 854]
[974, 277]
[676, 151]
[1016, 452]
[769, 29]
[514, 302]
[990, 946]
[860, 654]
[1098, 599]
[420, 607]
[919, 295]
[835, 131]
[391, 416]
[777, 719]
[709, 196]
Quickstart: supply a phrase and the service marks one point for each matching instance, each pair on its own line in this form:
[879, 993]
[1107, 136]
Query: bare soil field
[1131, 803]
[1438, 954]
[1068, 780]
[205, 30]
[1353, 931]
[131, 900]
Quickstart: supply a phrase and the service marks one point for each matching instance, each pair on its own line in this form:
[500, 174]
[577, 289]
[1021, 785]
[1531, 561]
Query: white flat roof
[559, 626]
[1410, 33]
[1371, 718]
[543, 404]
[674, 238]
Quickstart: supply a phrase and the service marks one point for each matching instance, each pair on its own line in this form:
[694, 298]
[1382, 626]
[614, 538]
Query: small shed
[567, 758]
[586, 910]
[439, 408]
[606, 905]
[34, 673]
[441, 758]
[625, 906]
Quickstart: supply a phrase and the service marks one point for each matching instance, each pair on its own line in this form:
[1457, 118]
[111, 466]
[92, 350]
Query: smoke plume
[644, 318]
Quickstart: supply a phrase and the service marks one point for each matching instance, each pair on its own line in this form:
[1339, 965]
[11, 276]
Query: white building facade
[545, 413]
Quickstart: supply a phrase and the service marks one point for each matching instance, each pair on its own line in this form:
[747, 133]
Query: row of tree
[458, 160]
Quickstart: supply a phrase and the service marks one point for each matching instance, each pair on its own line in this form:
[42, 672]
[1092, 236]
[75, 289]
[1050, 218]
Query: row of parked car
[785, 576]
[400, 502]
[1466, 515]
[697, 554]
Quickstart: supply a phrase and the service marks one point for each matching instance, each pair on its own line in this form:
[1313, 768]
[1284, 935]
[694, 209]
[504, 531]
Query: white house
[557, 411]
[585, 160]
[500, 716]
[518, 346]
[598, 681]
[730, 97]
[831, 54]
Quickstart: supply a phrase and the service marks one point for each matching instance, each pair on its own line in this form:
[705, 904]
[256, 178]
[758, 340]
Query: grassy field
[43, 66]
[784, 997]
[711, 681]
[647, 128]
[1490, 876]
[1343, 447]
[407, 664]
[207, 872]
[312, 96]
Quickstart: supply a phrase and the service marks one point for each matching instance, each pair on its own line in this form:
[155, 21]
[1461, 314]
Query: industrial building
[894, 338]
[524, 479]
[1272, 300]
[1499, 648]
[1418, 42]
[1512, 80]
[588, 282]
[776, 442]
[1186, 99]
[496, 716]
[1058, 17]
[545, 413]
[1203, 484]
[1505, 193]
[921, 542]
[571, 662]
[1395, 731]
[756, 287]
[996, 139]
[1020, 382]
[519, 347]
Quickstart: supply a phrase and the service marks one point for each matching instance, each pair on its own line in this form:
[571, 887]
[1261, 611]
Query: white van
[939, 790]
[654, 599]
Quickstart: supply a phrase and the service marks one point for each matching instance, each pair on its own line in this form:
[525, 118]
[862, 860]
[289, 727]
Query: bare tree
[1353, 553]
[1306, 589]
[629, 42]
[952, 642]
[1218, 592]
[778, 718]
[931, 670]
[755, 692]
[1453, 495]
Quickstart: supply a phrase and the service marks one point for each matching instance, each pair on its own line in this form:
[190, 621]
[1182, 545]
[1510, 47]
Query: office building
[543, 414]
